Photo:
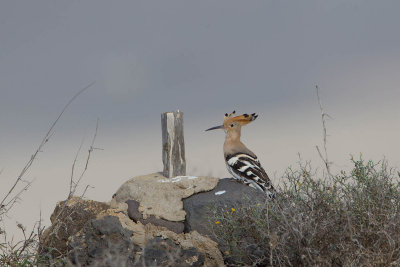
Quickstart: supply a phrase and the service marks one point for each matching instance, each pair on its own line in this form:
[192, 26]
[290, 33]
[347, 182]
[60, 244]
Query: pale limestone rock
[161, 196]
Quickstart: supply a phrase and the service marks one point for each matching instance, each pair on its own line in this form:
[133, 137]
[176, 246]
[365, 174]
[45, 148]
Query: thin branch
[74, 184]
[71, 182]
[84, 191]
[324, 134]
[8, 206]
[39, 149]
[92, 145]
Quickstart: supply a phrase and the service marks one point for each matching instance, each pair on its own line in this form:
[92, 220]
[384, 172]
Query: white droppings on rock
[172, 180]
[177, 179]
[220, 193]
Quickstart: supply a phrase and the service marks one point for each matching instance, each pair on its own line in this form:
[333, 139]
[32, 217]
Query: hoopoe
[240, 161]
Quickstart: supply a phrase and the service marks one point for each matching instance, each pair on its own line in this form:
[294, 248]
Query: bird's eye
[231, 125]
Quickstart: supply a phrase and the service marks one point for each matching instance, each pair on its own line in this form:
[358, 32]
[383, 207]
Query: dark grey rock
[68, 218]
[103, 242]
[164, 252]
[135, 215]
[198, 206]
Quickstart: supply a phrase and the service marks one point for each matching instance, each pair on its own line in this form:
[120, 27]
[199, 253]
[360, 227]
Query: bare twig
[71, 182]
[324, 134]
[8, 205]
[84, 191]
[3, 205]
[74, 184]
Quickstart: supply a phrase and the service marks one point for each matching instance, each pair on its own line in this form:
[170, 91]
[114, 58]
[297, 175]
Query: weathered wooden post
[173, 144]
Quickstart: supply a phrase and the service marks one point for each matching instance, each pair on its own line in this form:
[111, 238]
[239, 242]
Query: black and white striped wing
[248, 170]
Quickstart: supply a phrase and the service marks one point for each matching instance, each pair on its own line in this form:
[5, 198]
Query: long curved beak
[216, 127]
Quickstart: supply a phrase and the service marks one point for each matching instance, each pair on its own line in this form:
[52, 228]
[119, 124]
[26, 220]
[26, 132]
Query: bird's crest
[241, 119]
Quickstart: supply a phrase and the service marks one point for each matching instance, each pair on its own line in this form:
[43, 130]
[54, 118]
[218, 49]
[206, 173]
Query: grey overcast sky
[204, 58]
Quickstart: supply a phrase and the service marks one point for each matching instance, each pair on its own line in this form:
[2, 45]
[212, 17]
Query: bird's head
[233, 124]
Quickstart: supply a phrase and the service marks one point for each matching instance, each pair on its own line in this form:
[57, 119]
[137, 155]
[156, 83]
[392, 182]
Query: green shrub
[351, 219]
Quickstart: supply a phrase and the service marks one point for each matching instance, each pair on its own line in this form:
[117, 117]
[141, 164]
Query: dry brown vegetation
[24, 252]
[349, 219]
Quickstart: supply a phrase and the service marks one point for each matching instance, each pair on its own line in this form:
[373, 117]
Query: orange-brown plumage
[241, 162]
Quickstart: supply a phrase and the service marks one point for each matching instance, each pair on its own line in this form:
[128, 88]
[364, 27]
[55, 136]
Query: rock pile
[150, 221]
